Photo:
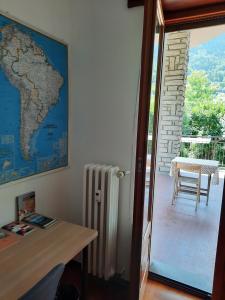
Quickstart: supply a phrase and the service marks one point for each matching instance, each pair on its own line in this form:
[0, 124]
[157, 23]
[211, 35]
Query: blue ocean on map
[49, 143]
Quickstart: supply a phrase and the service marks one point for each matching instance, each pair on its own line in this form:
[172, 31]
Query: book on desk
[26, 217]
[25, 205]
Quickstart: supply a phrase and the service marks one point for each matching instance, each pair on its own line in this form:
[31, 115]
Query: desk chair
[46, 288]
[187, 184]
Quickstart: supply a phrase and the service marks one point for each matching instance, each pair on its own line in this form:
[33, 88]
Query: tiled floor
[184, 240]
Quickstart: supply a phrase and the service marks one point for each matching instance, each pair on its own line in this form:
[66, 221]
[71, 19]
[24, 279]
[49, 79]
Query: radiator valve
[122, 174]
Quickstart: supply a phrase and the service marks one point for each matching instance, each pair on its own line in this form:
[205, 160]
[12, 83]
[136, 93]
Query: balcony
[180, 235]
[204, 147]
[184, 242]
[191, 123]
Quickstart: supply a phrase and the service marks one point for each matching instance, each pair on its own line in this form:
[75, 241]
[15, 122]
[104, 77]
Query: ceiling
[200, 36]
[175, 5]
[180, 11]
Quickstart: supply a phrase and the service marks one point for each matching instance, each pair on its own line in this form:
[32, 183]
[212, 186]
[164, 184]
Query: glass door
[146, 146]
[185, 228]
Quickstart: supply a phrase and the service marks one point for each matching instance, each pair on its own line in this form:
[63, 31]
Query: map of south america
[33, 102]
[27, 68]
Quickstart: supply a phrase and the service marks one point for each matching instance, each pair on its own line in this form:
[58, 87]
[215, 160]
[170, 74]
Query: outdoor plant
[204, 115]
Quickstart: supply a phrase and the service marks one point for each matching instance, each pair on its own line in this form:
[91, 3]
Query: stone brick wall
[172, 97]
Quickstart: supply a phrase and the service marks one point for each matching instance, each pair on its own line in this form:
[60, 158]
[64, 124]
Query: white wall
[106, 68]
[105, 50]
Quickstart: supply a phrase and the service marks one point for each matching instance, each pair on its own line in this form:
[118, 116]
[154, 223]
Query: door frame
[150, 15]
[147, 52]
[157, 109]
[219, 274]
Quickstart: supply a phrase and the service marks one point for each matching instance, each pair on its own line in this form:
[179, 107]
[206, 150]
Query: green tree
[204, 111]
[207, 118]
[198, 89]
[204, 115]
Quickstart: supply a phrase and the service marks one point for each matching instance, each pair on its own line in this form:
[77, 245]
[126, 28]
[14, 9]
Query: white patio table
[208, 167]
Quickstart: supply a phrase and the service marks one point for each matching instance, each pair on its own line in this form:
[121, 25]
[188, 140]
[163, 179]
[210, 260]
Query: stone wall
[172, 97]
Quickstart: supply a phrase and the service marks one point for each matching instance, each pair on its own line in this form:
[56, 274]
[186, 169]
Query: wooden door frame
[177, 15]
[147, 51]
[195, 24]
[156, 112]
[150, 15]
[219, 277]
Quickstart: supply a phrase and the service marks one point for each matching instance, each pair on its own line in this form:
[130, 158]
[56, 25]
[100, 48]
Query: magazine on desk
[26, 211]
[39, 220]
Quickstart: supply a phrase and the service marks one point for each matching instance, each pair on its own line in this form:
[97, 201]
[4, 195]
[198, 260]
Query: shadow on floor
[97, 289]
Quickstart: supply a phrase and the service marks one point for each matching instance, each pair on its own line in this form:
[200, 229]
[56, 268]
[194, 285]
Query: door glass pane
[190, 158]
[150, 128]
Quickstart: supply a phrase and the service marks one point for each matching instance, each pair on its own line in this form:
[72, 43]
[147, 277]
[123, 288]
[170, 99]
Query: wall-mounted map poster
[33, 102]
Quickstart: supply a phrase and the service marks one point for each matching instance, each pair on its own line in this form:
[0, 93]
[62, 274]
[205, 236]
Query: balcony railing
[204, 147]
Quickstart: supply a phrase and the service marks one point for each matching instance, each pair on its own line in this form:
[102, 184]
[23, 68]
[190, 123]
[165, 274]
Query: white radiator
[100, 212]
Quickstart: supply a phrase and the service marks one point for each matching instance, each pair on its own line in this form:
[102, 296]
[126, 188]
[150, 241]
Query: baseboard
[117, 279]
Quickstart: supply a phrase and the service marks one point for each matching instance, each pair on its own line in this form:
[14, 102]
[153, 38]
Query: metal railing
[204, 147]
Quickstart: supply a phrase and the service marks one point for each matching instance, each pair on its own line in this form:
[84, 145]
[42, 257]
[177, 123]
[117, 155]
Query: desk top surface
[23, 264]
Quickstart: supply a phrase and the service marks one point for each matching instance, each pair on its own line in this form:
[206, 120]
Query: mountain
[210, 57]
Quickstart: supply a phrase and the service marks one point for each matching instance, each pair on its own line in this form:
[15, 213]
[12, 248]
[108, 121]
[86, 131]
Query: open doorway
[191, 126]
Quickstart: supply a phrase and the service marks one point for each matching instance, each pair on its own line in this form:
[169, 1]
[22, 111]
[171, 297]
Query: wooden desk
[23, 264]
